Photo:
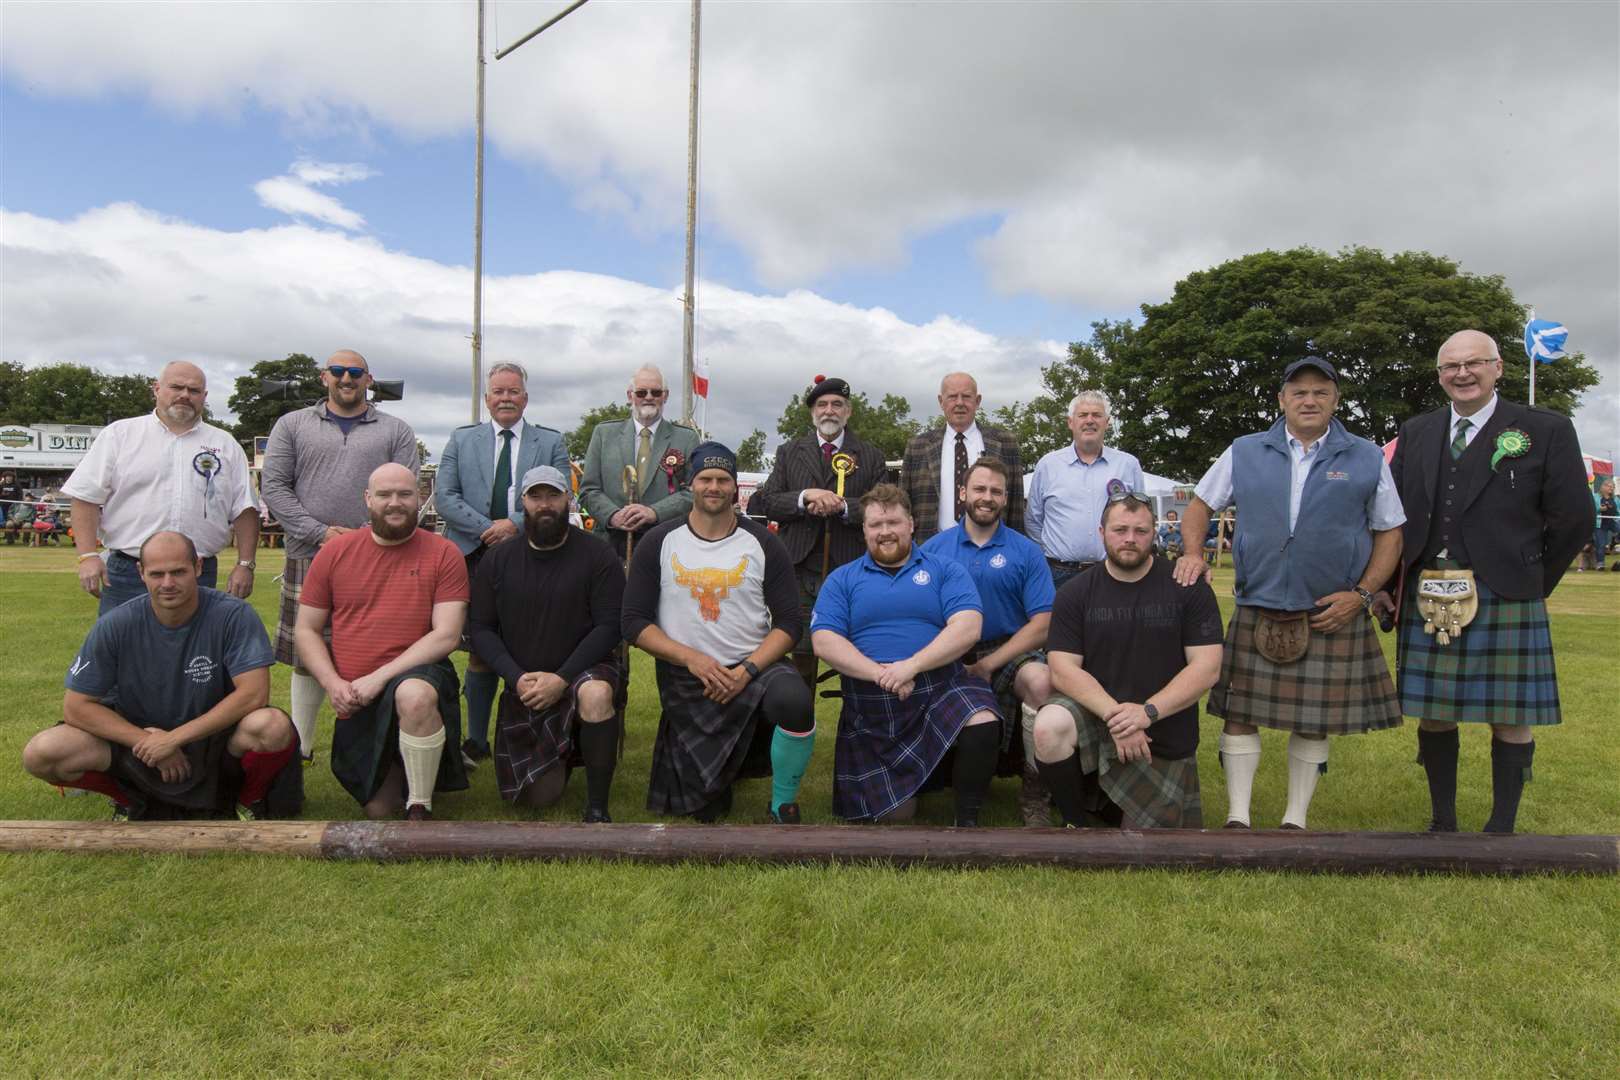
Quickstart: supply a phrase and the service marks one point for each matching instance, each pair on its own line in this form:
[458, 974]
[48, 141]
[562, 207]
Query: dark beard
[385, 531]
[545, 530]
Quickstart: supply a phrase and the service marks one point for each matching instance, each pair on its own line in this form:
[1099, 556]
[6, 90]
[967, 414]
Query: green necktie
[643, 460]
[498, 508]
[1460, 443]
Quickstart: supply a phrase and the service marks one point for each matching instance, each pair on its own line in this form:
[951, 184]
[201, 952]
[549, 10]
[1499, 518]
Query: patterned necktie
[1460, 443]
[499, 508]
[961, 473]
[643, 459]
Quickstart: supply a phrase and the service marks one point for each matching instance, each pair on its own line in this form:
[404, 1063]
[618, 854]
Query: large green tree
[888, 426]
[751, 453]
[579, 440]
[257, 413]
[70, 394]
[1203, 367]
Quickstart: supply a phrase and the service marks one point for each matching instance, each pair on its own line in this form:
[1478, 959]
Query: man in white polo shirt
[166, 470]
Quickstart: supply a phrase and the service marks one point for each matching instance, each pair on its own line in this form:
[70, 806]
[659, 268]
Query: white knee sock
[421, 754]
[307, 697]
[1028, 720]
[1305, 758]
[1240, 757]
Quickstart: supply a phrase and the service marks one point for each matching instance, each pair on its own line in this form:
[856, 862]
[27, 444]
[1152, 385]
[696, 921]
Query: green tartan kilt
[1341, 686]
[1159, 794]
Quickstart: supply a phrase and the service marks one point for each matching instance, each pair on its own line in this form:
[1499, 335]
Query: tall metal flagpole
[691, 223]
[478, 234]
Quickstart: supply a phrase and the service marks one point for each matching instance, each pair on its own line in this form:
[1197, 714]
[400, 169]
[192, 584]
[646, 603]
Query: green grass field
[246, 965]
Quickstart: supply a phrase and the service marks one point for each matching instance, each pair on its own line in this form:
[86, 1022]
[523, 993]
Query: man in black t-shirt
[545, 616]
[1130, 652]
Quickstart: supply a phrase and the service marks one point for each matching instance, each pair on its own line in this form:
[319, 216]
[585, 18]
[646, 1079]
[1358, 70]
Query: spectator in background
[1608, 521]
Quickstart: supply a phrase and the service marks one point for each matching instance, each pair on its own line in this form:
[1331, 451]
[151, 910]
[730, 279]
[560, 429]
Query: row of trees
[1198, 371]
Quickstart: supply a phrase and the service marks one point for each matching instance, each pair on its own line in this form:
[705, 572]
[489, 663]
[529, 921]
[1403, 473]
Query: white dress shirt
[974, 439]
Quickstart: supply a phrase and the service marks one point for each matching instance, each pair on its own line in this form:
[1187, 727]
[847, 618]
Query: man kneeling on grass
[396, 597]
[166, 707]
[895, 623]
[545, 617]
[1131, 652]
[714, 597]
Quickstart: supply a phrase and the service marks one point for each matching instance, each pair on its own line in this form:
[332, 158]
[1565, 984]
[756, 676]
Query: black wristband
[748, 666]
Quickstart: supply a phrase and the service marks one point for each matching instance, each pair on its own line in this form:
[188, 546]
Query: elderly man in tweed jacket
[937, 461]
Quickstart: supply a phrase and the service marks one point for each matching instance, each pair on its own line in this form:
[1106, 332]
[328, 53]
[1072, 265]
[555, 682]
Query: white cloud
[287, 195]
[124, 289]
[330, 172]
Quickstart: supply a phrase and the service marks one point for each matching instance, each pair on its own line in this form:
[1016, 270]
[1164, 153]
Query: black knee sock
[598, 745]
[976, 750]
[1510, 768]
[1438, 752]
[1062, 779]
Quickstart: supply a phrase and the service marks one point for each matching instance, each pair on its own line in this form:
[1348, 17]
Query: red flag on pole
[700, 379]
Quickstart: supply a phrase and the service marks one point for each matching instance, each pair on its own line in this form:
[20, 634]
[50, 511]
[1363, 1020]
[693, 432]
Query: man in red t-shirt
[396, 597]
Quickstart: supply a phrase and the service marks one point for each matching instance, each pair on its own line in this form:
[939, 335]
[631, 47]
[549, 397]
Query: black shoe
[1291, 827]
[595, 815]
[472, 753]
[418, 812]
[786, 814]
[967, 821]
[1437, 827]
[717, 807]
[1235, 824]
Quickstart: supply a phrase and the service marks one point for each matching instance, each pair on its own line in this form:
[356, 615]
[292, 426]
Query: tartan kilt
[1340, 687]
[888, 748]
[702, 745]
[365, 744]
[292, 587]
[528, 743]
[1499, 670]
[1159, 794]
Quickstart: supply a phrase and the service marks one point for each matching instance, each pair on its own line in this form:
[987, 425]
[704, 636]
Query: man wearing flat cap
[712, 596]
[545, 614]
[814, 495]
[1319, 529]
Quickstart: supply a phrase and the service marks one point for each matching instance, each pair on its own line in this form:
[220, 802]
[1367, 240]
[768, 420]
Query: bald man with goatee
[315, 470]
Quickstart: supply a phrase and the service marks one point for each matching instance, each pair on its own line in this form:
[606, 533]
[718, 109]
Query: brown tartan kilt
[292, 587]
[1340, 687]
[1159, 794]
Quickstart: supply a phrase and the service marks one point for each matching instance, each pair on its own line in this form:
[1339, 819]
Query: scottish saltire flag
[1544, 340]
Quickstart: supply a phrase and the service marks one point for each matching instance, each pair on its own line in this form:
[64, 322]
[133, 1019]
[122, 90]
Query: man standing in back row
[655, 448]
[936, 463]
[1495, 495]
[1070, 487]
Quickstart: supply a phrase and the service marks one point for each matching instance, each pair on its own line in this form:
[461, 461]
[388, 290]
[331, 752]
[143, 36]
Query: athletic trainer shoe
[472, 753]
[120, 813]
[418, 812]
[786, 814]
[595, 815]
[256, 812]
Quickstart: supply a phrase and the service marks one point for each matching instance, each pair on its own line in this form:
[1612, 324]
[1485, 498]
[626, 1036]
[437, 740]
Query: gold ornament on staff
[842, 465]
[628, 480]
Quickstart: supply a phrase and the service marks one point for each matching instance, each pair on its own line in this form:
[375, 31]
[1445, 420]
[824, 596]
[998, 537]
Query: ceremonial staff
[628, 478]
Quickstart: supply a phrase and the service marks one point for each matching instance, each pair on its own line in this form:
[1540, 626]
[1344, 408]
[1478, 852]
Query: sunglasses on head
[643, 395]
[1122, 496]
[339, 370]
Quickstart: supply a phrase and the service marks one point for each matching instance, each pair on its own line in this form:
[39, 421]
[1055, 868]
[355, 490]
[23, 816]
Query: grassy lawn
[239, 965]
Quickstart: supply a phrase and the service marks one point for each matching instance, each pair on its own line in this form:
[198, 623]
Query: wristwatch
[748, 666]
[1152, 711]
[1366, 597]
[244, 562]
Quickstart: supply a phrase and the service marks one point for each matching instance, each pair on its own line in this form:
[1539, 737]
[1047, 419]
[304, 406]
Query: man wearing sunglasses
[654, 448]
[314, 483]
[1498, 491]
[1318, 528]
[477, 496]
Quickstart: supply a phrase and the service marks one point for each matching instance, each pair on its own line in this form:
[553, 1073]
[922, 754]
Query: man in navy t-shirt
[1015, 585]
[1131, 652]
[895, 623]
[167, 701]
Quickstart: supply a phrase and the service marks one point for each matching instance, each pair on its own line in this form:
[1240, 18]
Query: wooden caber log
[1099, 849]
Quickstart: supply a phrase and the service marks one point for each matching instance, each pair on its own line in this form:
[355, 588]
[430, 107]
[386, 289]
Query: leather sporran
[1283, 637]
[1448, 601]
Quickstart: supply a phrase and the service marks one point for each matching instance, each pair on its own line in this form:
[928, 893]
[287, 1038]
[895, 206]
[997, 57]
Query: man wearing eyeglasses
[314, 482]
[166, 470]
[1318, 530]
[1495, 494]
[1069, 489]
[477, 496]
[655, 448]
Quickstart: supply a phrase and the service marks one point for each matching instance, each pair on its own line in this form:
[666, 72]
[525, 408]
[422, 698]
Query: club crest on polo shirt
[921, 577]
[200, 669]
[998, 560]
[1338, 475]
[709, 584]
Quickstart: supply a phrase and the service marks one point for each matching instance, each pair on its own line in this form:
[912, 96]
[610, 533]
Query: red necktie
[827, 451]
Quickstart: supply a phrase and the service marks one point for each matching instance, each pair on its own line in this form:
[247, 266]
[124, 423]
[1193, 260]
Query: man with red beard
[396, 597]
[545, 614]
[1131, 652]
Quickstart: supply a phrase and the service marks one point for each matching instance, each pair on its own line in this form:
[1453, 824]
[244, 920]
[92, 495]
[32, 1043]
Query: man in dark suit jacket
[1498, 488]
[479, 500]
[929, 474]
[801, 496]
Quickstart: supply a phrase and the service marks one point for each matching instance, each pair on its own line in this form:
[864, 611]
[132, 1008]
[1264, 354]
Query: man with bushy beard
[396, 597]
[820, 528]
[545, 616]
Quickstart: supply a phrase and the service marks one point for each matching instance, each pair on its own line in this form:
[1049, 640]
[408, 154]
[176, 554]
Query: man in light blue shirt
[1069, 490]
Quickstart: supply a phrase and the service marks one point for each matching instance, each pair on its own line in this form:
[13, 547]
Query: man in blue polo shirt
[894, 623]
[1015, 587]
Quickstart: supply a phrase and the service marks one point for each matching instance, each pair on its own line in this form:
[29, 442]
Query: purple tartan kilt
[887, 748]
[528, 743]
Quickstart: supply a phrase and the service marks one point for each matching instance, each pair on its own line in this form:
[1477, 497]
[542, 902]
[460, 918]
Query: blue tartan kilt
[887, 748]
[1499, 670]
